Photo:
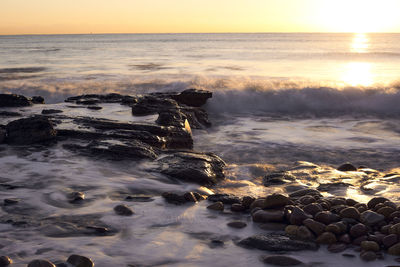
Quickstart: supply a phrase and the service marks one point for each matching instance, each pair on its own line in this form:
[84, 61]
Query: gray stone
[276, 242]
[218, 206]
[280, 260]
[237, 224]
[371, 218]
[265, 216]
[123, 210]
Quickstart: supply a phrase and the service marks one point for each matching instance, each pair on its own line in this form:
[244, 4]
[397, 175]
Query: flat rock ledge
[168, 140]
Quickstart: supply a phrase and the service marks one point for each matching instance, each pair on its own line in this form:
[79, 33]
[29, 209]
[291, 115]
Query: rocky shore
[156, 130]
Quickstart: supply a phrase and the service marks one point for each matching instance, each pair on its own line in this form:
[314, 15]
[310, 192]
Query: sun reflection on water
[358, 73]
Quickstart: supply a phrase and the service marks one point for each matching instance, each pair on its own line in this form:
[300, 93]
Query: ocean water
[303, 103]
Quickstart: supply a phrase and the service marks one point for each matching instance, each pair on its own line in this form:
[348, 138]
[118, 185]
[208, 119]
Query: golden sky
[165, 16]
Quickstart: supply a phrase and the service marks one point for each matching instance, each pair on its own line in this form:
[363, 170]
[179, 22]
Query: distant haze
[174, 16]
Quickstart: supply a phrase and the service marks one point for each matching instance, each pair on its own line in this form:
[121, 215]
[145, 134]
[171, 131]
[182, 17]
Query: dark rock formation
[31, 130]
[204, 169]
[276, 242]
[12, 100]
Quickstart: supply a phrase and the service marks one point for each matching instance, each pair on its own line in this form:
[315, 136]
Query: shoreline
[161, 134]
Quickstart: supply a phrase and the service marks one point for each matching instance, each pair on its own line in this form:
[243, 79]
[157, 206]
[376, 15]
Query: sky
[175, 16]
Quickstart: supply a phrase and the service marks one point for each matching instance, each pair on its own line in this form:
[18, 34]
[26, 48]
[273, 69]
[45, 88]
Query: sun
[360, 16]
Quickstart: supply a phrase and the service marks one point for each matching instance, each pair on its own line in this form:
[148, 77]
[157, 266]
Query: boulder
[193, 97]
[203, 169]
[80, 261]
[13, 100]
[31, 130]
[347, 167]
[41, 263]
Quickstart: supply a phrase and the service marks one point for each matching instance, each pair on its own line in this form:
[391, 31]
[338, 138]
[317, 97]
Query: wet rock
[335, 228]
[298, 216]
[390, 240]
[280, 260]
[51, 111]
[395, 229]
[386, 211]
[94, 107]
[123, 210]
[218, 206]
[375, 201]
[303, 192]
[37, 100]
[358, 230]
[394, 250]
[98, 229]
[247, 201]
[76, 197]
[276, 242]
[305, 200]
[350, 212]
[11, 201]
[273, 226]
[193, 97]
[316, 227]
[370, 246]
[224, 198]
[203, 169]
[337, 248]
[324, 217]
[275, 201]
[265, 216]
[237, 207]
[171, 117]
[237, 224]
[80, 261]
[345, 239]
[368, 256]
[277, 178]
[312, 208]
[174, 198]
[41, 263]
[303, 233]
[357, 241]
[291, 230]
[190, 197]
[31, 130]
[5, 261]
[326, 238]
[347, 167]
[115, 151]
[371, 218]
[12, 100]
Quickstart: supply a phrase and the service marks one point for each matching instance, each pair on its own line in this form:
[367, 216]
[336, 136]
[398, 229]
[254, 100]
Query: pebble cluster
[340, 223]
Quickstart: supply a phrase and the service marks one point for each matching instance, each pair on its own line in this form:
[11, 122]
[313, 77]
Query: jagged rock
[193, 97]
[13, 100]
[174, 198]
[116, 151]
[5, 261]
[347, 167]
[276, 242]
[31, 130]
[204, 169]
[37, 100]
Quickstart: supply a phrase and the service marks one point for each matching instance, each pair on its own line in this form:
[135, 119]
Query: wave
[236, 95]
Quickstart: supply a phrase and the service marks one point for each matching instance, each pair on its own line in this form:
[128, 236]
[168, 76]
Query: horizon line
[148, 33]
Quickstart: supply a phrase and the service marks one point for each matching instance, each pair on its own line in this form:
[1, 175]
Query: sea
[303, 103]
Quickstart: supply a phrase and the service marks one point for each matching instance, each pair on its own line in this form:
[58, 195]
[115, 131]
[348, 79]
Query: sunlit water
[280, 101]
